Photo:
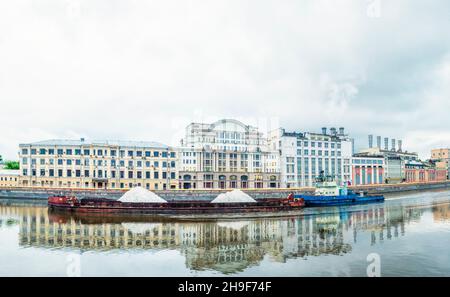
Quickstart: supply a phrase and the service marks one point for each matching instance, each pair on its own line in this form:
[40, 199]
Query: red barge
[263, 207]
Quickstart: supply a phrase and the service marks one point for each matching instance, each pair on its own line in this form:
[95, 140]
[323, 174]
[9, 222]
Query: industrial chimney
[324, 130]
[379, 142]
[386, 143]
[399, 145]
[370, 141]
[393, 144]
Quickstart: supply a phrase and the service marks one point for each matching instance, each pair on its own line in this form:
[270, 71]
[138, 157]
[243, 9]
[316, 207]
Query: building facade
[442, 156]
[416, 171]
[226, 154]
[9, 178]
[395, 160]
[303, 156]
[97, 164]
[367, 170]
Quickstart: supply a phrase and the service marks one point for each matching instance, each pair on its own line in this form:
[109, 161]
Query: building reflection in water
[225, 246]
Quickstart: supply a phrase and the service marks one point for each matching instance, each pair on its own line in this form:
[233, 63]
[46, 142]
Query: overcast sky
[143, 70]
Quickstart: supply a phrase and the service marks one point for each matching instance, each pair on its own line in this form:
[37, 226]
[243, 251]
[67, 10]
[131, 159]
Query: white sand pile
[233, 225]
[140, 228]
[235, 196]
[140, 195]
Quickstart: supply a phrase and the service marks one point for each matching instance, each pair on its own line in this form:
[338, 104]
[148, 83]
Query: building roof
[83, 142]
[4, 172]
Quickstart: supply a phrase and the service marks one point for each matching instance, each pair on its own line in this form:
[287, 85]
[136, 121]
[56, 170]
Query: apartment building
[98, 164]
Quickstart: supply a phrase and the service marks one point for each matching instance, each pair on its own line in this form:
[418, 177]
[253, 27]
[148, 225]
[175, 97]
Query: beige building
[442, 158]
[9, 178]
[226, 154]
[97, 164]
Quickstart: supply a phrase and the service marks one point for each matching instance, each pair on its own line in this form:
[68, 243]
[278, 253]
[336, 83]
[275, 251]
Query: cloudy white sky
[142, 70]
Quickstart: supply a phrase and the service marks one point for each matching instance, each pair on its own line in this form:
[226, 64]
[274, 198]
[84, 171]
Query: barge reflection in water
[224, 247]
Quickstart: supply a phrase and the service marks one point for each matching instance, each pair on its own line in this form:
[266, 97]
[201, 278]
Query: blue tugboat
[329, 193]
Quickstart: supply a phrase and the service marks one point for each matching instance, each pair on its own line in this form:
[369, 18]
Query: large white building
[303, 156]
[224, 155]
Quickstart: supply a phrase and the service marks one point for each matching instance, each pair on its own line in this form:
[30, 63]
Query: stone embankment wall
[43, 194]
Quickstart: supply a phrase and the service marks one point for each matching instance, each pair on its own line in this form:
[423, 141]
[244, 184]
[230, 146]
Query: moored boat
[329, 193]
[223, 206]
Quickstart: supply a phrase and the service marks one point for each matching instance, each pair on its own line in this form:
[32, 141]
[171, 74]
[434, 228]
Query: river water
[407, 235]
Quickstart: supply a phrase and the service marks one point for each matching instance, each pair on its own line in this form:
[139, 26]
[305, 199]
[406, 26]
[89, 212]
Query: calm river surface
[410, 233]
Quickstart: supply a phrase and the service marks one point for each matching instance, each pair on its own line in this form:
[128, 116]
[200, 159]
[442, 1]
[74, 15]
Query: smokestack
[324, 130]
[379, 142]
[393, 144]
[370, 141]
[341, 130]
[386, 143]
[399, 145]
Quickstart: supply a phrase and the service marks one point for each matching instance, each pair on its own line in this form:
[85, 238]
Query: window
[147, 153]
[139, 163]
[99, 152]
[86, 173]
[172, 175]
[69, 162]
[69, 173]
[130, 174]
[60, 172]
[51, 172]
[60, 161]
[164, 175]
[86, 152]
[155, 154]
[139, 174]
[172, 164]
[147, 174]
[33, 151]
[77, 152]
[156, 175]
[156, 164]
[24, 151]
[78, 173]
[42, 152]
[113, 174]
[60, 151]
[113, 153]
[172, 154]
[130, 154]
[113, 163]
[42, 172]
[139, 153]
[164, 154]
[69, 152]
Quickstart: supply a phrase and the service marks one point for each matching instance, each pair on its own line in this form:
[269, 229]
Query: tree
[12, 165]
